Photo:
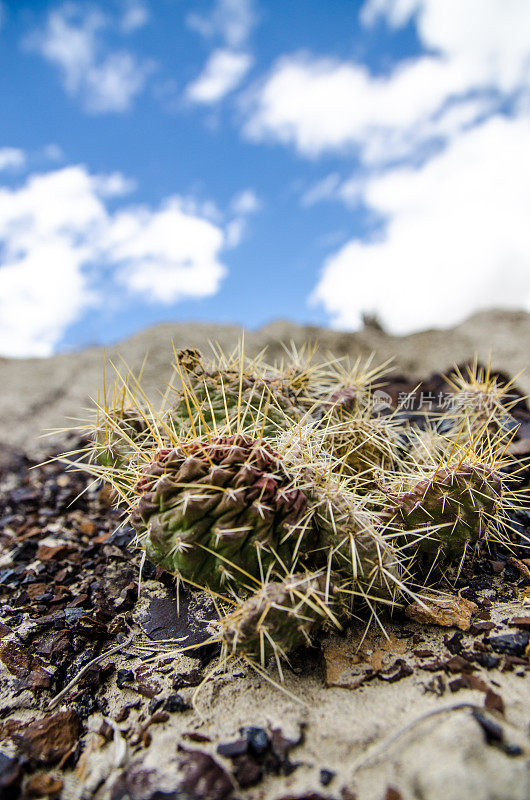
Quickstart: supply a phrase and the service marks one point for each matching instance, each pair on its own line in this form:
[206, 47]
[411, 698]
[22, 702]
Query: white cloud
[456, 237]
[245, 202]
[57, 236]
[222, 73]
[481, 47]
[135, 16]
[11, 158]
[395, 12]
[53, 152]
[45, 228]
[243, 205]
[103, 81]
[488, 39]
[168, 254]
[229, 20]
[324, 189]
[113, 185]
[441, 142]
[323, 105]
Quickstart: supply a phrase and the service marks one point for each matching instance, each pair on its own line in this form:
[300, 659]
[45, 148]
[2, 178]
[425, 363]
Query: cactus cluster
[293, 497]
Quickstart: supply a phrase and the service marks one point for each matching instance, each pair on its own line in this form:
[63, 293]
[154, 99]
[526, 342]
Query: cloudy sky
[244, 160]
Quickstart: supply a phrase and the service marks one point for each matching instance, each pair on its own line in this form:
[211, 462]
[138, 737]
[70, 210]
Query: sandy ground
[351, 732]
[346, 730]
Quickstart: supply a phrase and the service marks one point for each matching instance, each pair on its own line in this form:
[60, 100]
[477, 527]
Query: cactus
[361, 561]
[451, 509]
[232, 392]
[219, 511]
[481, 403]
[363, 443]
[423, 448]
[119, 436]
[282, 489]
[348, 387]
[280, 617]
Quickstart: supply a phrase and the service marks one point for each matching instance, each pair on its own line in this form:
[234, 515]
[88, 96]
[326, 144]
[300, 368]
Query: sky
[240, 161]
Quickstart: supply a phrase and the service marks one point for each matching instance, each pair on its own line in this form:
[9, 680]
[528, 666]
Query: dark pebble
[25, 551]
[123, 538]
[487, 660]
[492, 730]
[124, 676]
[513, 750]
[514, 644]
[72, 615]
[155, 704]
[326, 776]
[8, 577]
[233, 749]
[481, 627]
[148, 571]
[454, 644]
[247, 771]
[10, 777]
[257, 738]
[175, 703]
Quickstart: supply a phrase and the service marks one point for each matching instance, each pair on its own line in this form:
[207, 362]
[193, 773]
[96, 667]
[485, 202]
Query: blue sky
[242, 160]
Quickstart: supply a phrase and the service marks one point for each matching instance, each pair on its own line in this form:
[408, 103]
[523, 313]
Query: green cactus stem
[117, 439]
[217, 512]
[450, 510]
[232, 395]
[280, 617]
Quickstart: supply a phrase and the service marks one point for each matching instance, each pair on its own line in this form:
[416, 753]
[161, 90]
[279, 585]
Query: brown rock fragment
[43, 785]
[203, 778]
[21, 663]
[445, 610]
[48, 739]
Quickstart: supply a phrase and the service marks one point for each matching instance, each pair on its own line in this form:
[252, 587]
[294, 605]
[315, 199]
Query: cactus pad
[218, 511]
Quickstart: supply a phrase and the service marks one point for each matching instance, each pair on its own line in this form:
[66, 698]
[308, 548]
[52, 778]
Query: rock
[175, 703]
[42, 785]
[521, 622]
[21, 663]
[136, 783]
[443, 610]
[10, 777]
[513, 644]
[186, 621]
[47, 740]
[202, 778]
[349, 665]
[326, 776]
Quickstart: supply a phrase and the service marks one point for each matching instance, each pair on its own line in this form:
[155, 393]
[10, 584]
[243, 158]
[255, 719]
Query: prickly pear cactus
[480, 401]
[280, 617]
[287, 488]
[351, 545]
[450, 510]
[116, 439]
[234, 394]
[364, 444]
[219, 511]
